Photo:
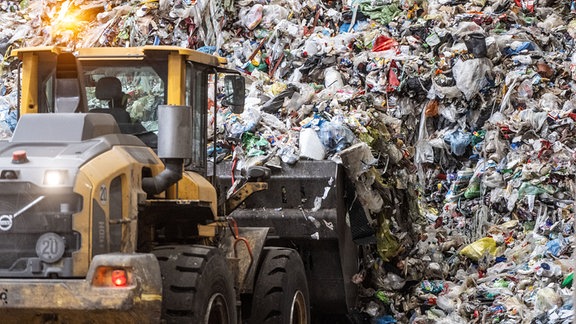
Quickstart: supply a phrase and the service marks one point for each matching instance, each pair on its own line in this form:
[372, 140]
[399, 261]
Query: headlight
[54, 178]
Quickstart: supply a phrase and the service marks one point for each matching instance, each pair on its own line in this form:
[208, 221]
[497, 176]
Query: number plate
[50, 247]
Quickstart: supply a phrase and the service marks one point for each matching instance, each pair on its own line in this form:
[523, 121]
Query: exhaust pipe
[163, 180]
[174, 146]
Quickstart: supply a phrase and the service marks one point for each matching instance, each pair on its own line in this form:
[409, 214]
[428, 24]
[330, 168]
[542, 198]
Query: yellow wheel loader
[110, 211]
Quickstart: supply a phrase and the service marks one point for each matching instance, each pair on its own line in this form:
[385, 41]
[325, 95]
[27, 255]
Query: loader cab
[130, 84]
[131, 93]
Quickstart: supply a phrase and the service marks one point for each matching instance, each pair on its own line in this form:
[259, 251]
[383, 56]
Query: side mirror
[234, 92]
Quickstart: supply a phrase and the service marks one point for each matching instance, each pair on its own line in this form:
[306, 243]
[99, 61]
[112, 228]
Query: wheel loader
[111, 212]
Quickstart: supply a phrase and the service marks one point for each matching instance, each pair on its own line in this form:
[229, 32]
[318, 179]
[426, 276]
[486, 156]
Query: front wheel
[197, 286]
[281, 291]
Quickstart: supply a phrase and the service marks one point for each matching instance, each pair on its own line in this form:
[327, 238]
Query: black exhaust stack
[174, 146]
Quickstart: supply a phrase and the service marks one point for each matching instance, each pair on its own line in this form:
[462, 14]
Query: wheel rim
[217, 311]
[298, 313]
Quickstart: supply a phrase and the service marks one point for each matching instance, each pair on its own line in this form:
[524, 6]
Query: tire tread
[183, 269]
[273, 279]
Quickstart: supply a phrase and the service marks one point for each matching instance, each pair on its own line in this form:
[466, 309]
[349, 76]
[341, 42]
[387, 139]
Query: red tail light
[119, 278]
[111, 277]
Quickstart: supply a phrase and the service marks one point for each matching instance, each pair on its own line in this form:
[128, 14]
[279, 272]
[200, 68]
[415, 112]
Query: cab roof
[126, 53]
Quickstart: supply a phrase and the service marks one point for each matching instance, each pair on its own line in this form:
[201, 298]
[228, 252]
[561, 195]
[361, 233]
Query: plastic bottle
[548, 270]
[567, 282]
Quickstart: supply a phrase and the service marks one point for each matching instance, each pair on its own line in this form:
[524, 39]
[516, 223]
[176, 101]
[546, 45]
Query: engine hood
[58, 142]
[55, 156]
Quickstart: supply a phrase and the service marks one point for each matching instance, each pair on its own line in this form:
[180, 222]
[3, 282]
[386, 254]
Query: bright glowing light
[55, 177]
[119, 278]
[67, 19]
[67, 22]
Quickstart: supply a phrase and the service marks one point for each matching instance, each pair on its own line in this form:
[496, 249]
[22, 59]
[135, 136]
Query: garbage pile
[454, 119]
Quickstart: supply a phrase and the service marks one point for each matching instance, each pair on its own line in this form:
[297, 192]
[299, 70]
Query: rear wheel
[281, 291]
[197, 285]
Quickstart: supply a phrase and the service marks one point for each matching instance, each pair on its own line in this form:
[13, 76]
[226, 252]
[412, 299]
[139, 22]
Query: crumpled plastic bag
[382, 13]
[472, 75]
[466, 28]
[473, 189]
[8, 112]
[546, 299]
[458, 141]
[333, 79]
[571, 28]
[274, 104]
[252, 17]
[517, 47]
[424, 152]
[479, 248]
[236, 125]
[335, 135]
[357, 159]
[254, 145]
[535, 118]
[273, 14]
[552, 21]
[392, 282]
[387, 244]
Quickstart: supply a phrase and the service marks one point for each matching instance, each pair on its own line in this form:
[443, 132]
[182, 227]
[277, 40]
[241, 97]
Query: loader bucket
[305, 207]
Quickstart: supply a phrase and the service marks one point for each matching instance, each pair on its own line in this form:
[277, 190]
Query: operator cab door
[197, 87]
[201, 83]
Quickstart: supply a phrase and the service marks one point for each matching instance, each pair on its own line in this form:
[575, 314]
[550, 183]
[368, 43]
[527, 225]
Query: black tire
[197, 286]
[281, 290]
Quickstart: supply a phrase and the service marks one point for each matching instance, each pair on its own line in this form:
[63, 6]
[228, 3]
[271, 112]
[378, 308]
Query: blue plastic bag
[458, 141]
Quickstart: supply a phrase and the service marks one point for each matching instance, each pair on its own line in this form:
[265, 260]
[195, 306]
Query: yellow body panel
[195, 187]
[98, 174]
[29, 99]
[192, 186]
[81, 223]
[176, 82]
[54, 49]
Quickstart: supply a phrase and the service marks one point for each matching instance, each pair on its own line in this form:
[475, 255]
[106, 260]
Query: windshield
[131, 94]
